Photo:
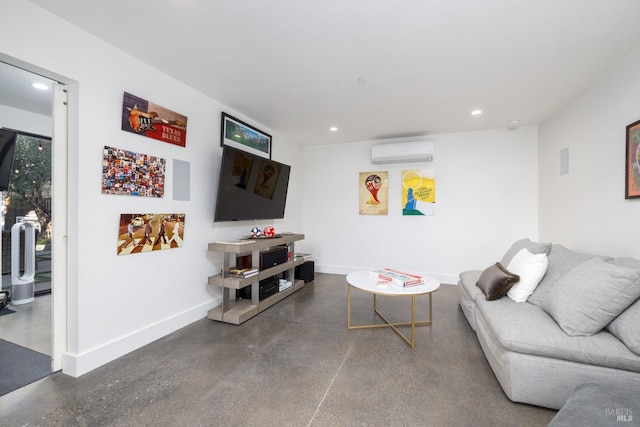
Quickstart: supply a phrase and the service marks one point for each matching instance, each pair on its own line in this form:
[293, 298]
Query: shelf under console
[239, 311]
[243, 310]
[239, 283]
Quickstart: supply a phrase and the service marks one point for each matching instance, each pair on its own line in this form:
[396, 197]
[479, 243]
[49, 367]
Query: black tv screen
[7, 147]
[250, 187]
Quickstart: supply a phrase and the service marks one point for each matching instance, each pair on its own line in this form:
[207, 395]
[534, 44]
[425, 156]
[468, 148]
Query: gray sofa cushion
[467, 294]
[591, 295]
[526, 243]
[561, 261]
[596, 405]
[626, 262]
[627, 327]
[468, 279]
[495, 281]
[526, 328]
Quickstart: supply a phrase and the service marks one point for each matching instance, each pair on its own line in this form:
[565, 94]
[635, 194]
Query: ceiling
[16, 90]
[373, 68]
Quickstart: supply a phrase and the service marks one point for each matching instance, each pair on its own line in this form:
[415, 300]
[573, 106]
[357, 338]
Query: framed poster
[153, 121]
[238, 134]
[132, 174]
[268, 175]
[418, 192]
[632, 172]
[374, 193]
[149, 232]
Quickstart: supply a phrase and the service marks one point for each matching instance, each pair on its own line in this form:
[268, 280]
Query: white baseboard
[450, 279]
[76, 365]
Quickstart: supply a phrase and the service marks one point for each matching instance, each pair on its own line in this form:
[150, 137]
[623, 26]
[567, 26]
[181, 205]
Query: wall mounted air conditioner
[402, 152]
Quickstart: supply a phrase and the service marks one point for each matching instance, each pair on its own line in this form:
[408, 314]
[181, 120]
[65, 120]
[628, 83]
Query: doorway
[40, 327]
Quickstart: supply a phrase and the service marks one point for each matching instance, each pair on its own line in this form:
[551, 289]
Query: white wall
[486, 198]
[13, 118]
[586, 209]
[120, 303]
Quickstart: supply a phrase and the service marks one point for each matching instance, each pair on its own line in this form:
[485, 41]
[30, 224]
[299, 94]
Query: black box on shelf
[274, 256]
[266, 288]
[305, 271]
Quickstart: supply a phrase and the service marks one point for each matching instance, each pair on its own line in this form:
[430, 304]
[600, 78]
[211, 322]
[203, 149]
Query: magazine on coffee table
[397, 277]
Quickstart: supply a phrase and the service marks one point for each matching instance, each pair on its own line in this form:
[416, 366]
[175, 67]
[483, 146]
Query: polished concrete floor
[30, 325]
[295, 364]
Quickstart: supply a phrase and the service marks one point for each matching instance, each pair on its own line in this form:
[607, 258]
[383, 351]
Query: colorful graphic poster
[418, 192]
[145, 118]
[132, 174]
[149, 232]
[374, 193]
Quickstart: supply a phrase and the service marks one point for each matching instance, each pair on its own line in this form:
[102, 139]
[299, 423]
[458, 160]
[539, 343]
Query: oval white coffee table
[361, 280]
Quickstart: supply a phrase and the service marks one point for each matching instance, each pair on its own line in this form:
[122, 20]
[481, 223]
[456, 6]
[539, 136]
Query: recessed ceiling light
[476, 112]
[39, 86]
[333, 129]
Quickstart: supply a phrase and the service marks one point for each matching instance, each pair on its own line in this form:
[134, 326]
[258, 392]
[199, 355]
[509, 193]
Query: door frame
[65, 90]
[59, 218]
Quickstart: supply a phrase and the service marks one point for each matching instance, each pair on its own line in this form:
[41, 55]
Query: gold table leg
[394, 325]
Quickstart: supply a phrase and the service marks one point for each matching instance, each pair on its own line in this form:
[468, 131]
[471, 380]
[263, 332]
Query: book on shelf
[284, 284]
[243, 276]
[243, 272]
[397, 277]
[304, 256]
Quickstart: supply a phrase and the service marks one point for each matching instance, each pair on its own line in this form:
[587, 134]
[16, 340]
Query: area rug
[20, 366]
[6, 311]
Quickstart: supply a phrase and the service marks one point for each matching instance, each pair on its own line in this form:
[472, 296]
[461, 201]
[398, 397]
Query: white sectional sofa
[580, 325]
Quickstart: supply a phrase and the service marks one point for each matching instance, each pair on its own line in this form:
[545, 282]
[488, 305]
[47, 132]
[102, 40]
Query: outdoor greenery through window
[29, 195]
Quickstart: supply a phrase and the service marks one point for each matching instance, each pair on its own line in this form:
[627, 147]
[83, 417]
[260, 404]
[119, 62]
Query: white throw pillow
[531, 268]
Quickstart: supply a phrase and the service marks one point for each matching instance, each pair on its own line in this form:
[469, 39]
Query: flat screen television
[250, 187]
[7, 147]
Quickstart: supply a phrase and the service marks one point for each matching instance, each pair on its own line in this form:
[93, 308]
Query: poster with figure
[418, 192]
[139, 233]
[153, 121]
[374, 193]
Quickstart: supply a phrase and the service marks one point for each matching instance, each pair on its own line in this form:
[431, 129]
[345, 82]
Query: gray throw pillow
[626, 327]
[526, 243]
[495, 281]
[561, 261]
[591, 295]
